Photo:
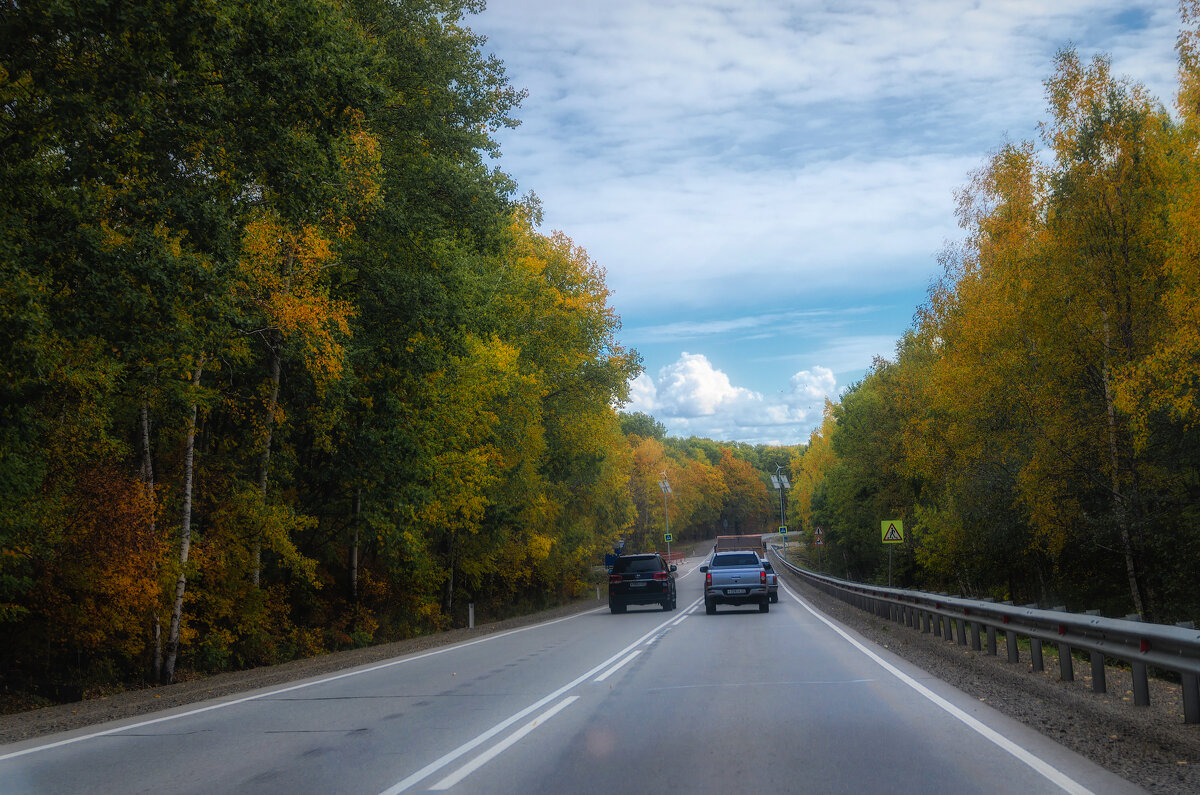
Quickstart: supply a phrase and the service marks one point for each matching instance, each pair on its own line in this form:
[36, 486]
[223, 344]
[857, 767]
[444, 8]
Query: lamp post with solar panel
[665, 487]
[780, 481]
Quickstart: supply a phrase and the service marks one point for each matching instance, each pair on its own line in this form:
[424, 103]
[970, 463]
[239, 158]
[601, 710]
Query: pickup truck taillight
[707, 579]
[762, 577]
[614, 578]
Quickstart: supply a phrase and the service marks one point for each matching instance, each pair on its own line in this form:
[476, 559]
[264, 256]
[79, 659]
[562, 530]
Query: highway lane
[644, 701]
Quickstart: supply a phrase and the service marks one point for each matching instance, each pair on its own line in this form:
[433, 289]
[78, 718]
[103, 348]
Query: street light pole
[780, 481]
[665, 487]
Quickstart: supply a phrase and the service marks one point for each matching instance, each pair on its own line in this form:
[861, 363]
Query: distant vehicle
[772, 579]
[641, 580]
[753, 542]
[735, 578]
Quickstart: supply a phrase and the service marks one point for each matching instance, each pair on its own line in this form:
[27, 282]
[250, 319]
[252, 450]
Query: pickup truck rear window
[749, 559]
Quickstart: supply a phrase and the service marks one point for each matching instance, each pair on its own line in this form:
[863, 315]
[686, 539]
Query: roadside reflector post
[471, 614]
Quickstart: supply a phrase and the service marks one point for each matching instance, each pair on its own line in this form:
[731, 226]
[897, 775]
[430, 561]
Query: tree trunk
[354, 547]
[185, 532]
[448, 597]
[148, 480]
[265, 461]
[1120, 508]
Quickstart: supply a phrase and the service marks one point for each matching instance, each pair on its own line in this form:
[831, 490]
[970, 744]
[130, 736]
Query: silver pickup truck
[735, 578]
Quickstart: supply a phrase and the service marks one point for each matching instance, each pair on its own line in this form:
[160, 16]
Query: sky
[768, 184]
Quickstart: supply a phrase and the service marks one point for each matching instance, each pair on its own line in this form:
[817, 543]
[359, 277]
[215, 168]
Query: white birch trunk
[185, 533]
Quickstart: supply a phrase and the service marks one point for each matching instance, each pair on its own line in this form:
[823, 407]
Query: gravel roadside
[1149, 746]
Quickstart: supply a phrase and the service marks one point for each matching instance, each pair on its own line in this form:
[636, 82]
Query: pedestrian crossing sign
[669, 538]
[893, 531]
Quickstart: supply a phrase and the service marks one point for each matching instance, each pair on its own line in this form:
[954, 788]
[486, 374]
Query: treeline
[717, 488]
[1037, 429]
[284, 366]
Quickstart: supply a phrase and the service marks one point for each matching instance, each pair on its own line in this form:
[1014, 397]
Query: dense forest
[285, 365]
[1038, 428]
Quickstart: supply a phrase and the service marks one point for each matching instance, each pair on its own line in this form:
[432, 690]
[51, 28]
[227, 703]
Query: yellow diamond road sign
[893, 531]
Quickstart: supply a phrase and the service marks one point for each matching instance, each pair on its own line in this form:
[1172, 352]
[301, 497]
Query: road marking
[1042, 767]
[470, 745]
[679, 620]
[801, 682]
[616, 667]
[497, 749]
[268, 694]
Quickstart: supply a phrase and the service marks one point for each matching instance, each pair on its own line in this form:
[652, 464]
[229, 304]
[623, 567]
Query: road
[646, 701]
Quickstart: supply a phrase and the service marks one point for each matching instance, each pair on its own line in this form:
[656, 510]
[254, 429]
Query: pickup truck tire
[710, 607]
[764, 606]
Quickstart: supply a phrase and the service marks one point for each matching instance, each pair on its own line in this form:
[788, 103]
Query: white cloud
[691, 397]
[734, 166]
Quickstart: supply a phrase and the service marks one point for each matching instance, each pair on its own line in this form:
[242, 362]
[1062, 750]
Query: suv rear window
[624, 564]
[748, 559]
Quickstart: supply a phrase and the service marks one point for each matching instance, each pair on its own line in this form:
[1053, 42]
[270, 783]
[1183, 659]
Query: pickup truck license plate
[637, 585]
[732, 591]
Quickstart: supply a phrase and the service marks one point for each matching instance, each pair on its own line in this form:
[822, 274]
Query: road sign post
[892, 531]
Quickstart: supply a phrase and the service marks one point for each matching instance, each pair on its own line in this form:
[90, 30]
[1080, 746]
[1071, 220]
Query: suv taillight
[661, 575]
[762, 577]
[614, 578]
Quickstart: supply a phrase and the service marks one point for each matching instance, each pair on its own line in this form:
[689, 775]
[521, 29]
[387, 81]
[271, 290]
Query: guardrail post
[924, 621]
[1010, 641]
[1141, 685]
[991, 641]
[962, 631]
[975, 645]
[1191, 698]
[1035, 654]
[1098, 683]
[1066, 671]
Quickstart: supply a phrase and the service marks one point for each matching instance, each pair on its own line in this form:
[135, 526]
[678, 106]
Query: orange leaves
[284, 274]
[102, 584]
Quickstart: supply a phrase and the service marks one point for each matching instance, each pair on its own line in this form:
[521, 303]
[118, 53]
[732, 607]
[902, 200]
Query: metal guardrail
[1141, 645]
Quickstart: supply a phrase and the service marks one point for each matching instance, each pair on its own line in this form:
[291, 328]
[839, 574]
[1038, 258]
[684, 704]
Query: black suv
[641, 580]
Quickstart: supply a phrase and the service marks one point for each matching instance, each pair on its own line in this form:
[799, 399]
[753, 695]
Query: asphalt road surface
[646, 701]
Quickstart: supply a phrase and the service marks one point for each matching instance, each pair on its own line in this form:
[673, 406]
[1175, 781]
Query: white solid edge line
[499, 748]
[616, 667]
[1045, 769]
[447, 758]
[301, 686]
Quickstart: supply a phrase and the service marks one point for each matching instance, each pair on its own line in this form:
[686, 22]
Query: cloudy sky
[768, 183]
